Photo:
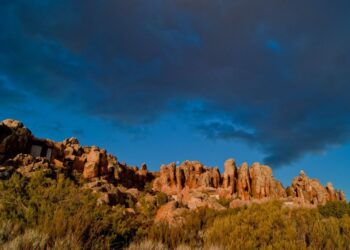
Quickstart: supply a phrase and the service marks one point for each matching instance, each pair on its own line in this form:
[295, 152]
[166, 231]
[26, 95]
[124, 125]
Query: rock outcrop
[311, 191]
[22, 152]
[191, 174]
[191, 184]
[14, 139]
[230, 175]
[263, 184]
[243, 182]
[171, 213]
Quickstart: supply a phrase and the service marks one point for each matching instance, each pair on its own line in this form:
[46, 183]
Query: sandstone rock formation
[17, 144]
[190, 184]
[190, 174]
[230, 175]
[309, 190]
[14, 139]
[243, 182]
[263, 184]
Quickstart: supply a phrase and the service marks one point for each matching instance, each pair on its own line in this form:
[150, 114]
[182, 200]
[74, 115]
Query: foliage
[335, 209]
[224, 202]
[260, 226]
[270, 226]
[190, 232]
[148, 187]
[162, 198]
[56, 213]
[58, 208]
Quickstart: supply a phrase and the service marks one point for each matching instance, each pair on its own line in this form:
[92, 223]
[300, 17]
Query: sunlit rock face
[21, 150]
[311, 191]
[190, 174]
[230, 176]
[191, 183]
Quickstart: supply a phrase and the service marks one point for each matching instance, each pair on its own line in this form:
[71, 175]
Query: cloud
[278, 70]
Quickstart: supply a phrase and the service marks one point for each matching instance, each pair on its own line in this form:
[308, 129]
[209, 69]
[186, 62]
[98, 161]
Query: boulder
[170, 213]
[14, 139]
[39, 163]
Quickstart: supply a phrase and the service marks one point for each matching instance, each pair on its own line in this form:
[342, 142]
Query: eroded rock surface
[190, 185]
[195, 185]
[311, 191]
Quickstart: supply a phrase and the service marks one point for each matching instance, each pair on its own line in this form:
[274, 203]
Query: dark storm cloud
[272, 73]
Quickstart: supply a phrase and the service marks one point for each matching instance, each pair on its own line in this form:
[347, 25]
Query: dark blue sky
[161, 81]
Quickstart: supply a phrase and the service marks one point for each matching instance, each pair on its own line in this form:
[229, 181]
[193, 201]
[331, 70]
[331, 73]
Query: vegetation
[57, 213]
[335, 209]
[270, 226]
[46, 212]
[265, 226]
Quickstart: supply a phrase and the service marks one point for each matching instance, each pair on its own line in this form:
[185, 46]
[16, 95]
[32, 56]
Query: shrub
[190, 233]
[58, 208]
[224, 202]
[48, 213]
[162, 198]
[334, 209]
[269, 226]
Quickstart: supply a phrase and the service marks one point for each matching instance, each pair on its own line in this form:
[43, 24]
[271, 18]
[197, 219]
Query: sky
[162, 81]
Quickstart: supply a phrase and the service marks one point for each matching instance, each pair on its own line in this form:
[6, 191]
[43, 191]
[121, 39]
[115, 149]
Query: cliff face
[252, 184]
[191, 183]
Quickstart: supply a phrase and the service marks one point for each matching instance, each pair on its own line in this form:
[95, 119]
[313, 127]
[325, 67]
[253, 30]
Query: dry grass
[146, 245]
[31, 239]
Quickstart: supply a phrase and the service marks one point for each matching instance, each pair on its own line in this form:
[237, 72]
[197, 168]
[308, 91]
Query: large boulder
[170, 213]
[14, 139]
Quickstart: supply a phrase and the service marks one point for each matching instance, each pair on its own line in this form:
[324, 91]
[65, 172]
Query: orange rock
[311, 191]
[171, 213]
[230, 175]
[243, 183]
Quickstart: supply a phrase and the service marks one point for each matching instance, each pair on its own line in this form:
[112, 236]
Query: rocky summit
[188, 186]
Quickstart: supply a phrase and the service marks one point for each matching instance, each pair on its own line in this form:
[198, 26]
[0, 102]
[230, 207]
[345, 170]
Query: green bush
[162, 198]
[334, 209]
[224, 202]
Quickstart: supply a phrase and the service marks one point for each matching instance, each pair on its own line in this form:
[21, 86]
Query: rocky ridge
[189, 186]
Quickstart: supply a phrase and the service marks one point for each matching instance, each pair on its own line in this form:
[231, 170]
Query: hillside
[61, 195]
